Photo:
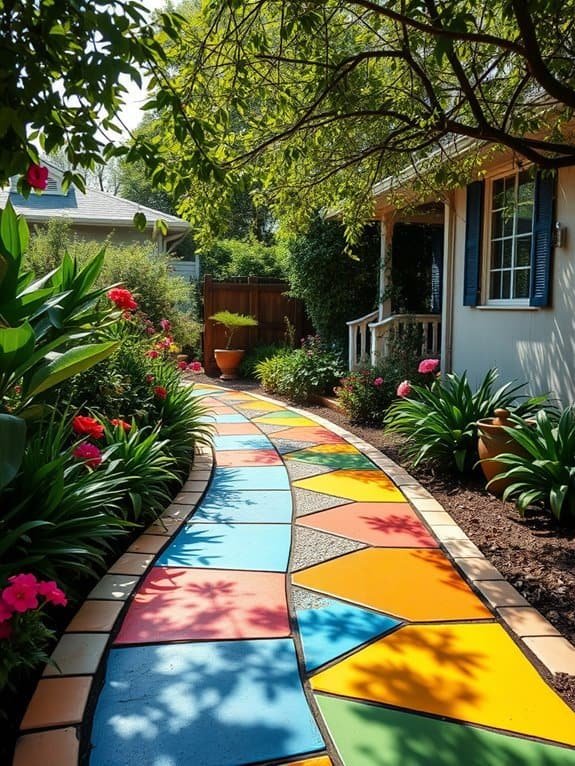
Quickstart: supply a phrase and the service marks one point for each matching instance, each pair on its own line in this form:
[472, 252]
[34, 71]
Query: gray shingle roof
[95, 208]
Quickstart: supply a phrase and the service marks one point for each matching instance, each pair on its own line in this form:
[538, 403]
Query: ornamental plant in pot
[229, 359]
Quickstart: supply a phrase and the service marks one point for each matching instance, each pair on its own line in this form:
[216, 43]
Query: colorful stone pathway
[308, 613]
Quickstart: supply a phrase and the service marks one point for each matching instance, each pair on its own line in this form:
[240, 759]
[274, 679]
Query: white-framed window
[509, 234]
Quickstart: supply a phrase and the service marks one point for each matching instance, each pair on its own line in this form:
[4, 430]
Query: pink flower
[5, 612]
[5, 630]
[404, 389]
[378, 382]
[85, 426]
[37, 177]
[52, 593]
[195, 367]
[152, 354]
[160, 392]
[150, 330]
[122, 298]
[182, 365]
[428, 365]
[89, 453]
[22, 594]
[166, 325]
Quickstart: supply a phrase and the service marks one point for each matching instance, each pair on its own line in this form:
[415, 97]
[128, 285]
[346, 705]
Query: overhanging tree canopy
[324, 98]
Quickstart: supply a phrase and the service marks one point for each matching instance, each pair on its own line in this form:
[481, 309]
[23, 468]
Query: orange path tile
[57, 702]
[308, 434]
[472, 672]
[330, 449]
[390, 525]
[370, 486]
[235, 429]
[188, 604]
[322, 761]
[58, 747]
[419, 585]
[238, 458]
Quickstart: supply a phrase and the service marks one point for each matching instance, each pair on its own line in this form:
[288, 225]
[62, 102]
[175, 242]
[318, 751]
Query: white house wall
[532, 345]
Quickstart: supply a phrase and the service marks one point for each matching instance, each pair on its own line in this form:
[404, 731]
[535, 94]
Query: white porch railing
[360, 339]
[369, 339]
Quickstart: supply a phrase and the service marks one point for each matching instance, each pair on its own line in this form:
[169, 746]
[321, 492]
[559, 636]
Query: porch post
[383, 301]
[448, 284]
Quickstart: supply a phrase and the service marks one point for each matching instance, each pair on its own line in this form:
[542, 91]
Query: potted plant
[228, 359]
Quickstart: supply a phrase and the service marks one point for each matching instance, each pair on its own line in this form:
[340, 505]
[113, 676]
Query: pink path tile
[238, 458]
[312, 434]
[387, 525]
[189, 604]
[236, 429]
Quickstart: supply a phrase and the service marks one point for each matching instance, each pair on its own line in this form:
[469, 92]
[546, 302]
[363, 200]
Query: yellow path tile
[283, 420]
[419, 585]
[472, 672]
[369, 486]
[330, 449]
[257, 404]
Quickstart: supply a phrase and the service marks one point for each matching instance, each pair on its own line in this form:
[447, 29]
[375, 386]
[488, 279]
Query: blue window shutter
[542, 242]
[473, 237]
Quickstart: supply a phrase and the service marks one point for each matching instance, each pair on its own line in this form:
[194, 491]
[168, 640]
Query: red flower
[122, 298]
[52, 593]
[89, 453]
[182, 365]
[160, 392]
[22, 593]
[122, 423]
[150, 330]
[195, 367]
[37, 177]
[5, 630]
[85, 426]
[150, 378]
[152, 354]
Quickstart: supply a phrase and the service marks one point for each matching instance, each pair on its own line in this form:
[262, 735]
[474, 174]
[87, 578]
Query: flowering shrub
[314, 368]
[364, 396]
[23, 633]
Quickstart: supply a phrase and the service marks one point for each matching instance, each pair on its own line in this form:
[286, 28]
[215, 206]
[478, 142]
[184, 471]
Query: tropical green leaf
[12, 445]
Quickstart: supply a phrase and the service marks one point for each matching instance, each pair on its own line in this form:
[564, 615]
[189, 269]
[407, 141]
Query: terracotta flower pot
[229, 360]
[494, 441]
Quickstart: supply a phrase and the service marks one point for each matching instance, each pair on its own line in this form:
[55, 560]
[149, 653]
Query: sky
[131, 114]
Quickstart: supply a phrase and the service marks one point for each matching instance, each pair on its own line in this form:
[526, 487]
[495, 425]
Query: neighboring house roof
[94, 208]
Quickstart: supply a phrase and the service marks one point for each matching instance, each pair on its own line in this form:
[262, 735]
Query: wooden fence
[263, 298]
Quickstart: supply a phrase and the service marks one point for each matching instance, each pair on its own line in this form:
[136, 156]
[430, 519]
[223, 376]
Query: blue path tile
[237, 418]
[207, 704]
[268, 477]
[337, 628]
[261, 547]
[273, 506]
[251, 441]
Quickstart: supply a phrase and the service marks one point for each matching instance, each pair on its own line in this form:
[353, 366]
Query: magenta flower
[428, 365]
[378, 382]
[89, 453]
[5, 612]
[22, 593]
[5, 630]
[166, 325]
[182, 365]
[52, 593]
[37, 177]
[404, 389]
[152, 354]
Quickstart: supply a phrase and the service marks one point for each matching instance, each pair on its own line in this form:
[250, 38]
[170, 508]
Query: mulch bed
[534, 553]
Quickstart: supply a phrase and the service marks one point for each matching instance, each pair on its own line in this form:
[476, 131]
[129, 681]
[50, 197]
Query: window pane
[525, 219]
[506, 284]
[497, 224]
[526, 189]
[495, 286]
[521, 283]
[508, 214]
[496, 254]
[498, 193]
[523, 257]
[507, 253]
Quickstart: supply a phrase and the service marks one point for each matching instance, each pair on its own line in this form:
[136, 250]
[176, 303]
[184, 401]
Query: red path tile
[387, 525]
[238, 458]
[189, 604]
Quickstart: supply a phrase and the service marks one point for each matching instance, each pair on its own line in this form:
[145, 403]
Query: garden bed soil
[534, 554]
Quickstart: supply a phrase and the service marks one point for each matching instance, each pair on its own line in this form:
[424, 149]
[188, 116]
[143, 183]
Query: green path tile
[333, 459]
[366, 735]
